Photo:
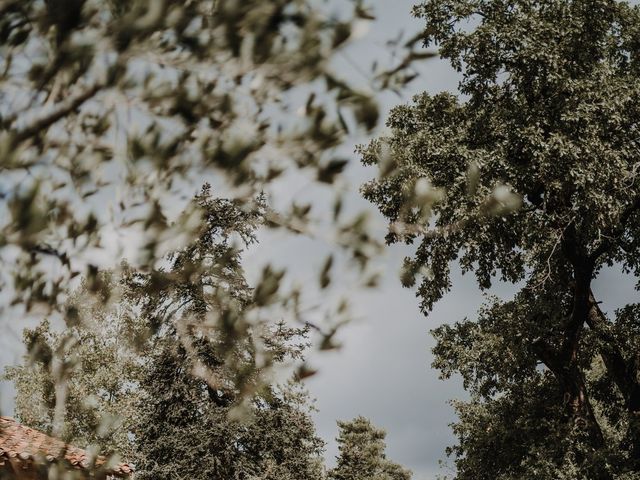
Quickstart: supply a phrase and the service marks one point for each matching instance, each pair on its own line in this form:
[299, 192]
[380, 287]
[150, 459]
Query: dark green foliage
[173, 376]
[186, 430]
[204, 411]
[536, 168]
[362, 454]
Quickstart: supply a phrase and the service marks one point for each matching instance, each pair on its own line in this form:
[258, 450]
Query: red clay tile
[22, 442]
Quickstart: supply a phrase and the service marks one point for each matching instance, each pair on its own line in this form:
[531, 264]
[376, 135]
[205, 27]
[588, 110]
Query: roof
[21, 443]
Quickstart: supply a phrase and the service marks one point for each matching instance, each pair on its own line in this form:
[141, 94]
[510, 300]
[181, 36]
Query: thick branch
[563, 362]
[616, 232]
[61, 112]
[623, 372]
[572, 384]
[547, 355]
[582, 272]
[613, 358]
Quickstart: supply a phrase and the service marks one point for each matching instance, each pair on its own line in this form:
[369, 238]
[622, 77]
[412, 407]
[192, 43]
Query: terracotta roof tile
[25, 443]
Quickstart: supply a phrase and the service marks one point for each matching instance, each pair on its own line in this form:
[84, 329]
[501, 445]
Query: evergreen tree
[207, 362]
[535, 168]
[189, 429]
[180, 365]
[362, 454]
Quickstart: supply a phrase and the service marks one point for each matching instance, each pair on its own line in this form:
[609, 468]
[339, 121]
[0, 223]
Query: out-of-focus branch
[59, 113]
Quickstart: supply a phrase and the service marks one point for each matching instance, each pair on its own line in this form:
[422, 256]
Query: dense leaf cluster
[536, 165]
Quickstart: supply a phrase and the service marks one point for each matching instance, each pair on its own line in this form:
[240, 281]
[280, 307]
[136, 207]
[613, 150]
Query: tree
[81, 382]
[122, 378]
[152, 410]
[535, 171]
[362, 454]
[189, 429]
[209, 357]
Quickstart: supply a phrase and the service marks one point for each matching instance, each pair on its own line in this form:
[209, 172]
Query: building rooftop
[22, 445]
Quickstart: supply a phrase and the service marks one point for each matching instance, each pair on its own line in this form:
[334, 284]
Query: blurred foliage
[81, 383]
[535, 168]
[154, 410]
[113, 112]
[126, 104]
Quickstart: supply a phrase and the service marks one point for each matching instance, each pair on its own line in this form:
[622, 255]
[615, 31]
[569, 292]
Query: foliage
[126, 104]
[187, 429]
[200, 294]
[81, 382]
[130, 384]
[153, 410]
[204, 410]
[535, 168]
[362, 454]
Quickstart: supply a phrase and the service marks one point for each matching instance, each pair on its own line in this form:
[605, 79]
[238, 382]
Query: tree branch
[607, 243]
[623, 372]
[48, 120]
[582, 273]
[611, 355]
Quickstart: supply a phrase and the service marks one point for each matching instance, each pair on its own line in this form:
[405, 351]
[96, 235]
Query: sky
[383, 369]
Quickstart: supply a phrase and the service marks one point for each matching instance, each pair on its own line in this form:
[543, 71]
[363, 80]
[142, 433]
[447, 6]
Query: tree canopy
[122, 379]
[535, 167]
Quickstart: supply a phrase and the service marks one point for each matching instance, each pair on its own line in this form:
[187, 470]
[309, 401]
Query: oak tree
[535, 165]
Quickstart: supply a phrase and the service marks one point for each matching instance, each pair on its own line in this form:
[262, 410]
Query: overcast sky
[383, 370]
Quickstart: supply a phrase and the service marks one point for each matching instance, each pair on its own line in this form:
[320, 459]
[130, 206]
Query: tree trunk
[624, 373]
[634, 426]
[578, 404]
[572, 384]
